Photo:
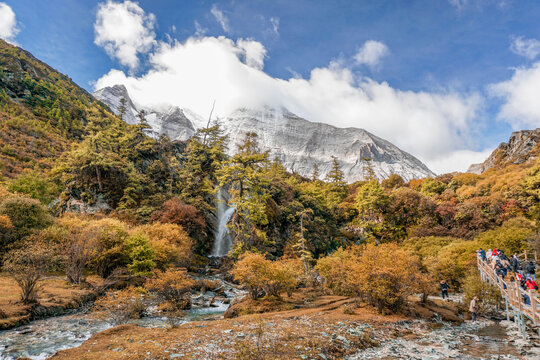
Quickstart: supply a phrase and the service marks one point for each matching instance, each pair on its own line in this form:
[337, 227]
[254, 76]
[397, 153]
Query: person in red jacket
[531, 284]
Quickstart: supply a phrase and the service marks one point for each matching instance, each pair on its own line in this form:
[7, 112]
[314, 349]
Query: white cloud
[275, 24]
[8, 23]
[459, 160]
[124, 30]
[371, 53]
[199, 30]
[520, 94]
[529, 48]
[253, 51]
[459, 4]
[221, 18]
[431, 126]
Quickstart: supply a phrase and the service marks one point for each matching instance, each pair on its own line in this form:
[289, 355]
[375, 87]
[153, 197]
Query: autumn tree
[110, 250]
[394, 181]
[27, 265]
[171, 244]
[383, 275]
[175, 211]
[25, 215]
[172, 286]
[74, 242]
[265, 277]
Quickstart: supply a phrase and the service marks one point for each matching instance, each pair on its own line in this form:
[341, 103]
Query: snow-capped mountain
[297, 142]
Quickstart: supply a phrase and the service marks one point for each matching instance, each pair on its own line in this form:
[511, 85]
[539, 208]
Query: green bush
[141, 255]
[25, 215]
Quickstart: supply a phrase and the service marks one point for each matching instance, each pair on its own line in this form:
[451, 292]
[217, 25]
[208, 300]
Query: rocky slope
[521, 147]
[297, 142]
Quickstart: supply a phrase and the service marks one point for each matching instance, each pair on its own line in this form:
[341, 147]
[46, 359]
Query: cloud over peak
[432, 126]
[125, 31]
[371, 53]
[8, 23]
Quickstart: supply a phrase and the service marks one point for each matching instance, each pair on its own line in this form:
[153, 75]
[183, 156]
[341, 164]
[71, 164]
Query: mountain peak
[297, 142]
[521, 147]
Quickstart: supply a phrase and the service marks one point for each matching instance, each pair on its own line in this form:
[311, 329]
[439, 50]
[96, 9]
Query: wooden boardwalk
[513, 294]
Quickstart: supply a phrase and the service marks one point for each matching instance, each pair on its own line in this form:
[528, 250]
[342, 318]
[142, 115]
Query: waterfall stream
[222, 240]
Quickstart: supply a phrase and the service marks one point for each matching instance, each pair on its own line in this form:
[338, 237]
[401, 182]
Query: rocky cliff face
[521, 147]
[297, 142]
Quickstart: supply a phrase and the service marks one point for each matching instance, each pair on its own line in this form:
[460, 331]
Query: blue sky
[457, 48]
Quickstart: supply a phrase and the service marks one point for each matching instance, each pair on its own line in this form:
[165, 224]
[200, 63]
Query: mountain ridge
[522, 146]
[297, 142]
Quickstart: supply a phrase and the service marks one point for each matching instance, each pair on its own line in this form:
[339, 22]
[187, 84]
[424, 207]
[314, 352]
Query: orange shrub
[171, 244]
[265, 277]
[383, 275]
[122, 305]
[172, 286]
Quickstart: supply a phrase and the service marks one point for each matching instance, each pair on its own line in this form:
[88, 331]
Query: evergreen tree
[315, 174]
[247, 175]
[368, 173]
[335, 176]
[122, 108]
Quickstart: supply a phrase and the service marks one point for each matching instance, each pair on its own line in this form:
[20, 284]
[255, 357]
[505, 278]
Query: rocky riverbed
[484, 339]
[327, 328]
[43, 338]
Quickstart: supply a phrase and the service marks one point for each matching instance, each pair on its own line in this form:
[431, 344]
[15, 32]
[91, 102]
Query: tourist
[483, 254]
[473, 308]
[444, 289]
[531, 269]
[489, 254]
[531, 284]
[514, 262]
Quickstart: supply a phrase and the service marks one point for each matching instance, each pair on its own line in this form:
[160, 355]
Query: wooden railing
[512, 293]
[529, 256]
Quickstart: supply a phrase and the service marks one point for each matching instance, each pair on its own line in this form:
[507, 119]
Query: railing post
[535, 257]
[525, 255]
[507, 314]
[533, 306]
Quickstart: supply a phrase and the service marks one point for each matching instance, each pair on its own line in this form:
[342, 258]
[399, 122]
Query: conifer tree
[315, 174]
[122, 108]
[247, 174]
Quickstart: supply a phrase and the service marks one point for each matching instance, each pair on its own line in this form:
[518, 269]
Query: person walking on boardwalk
[473, 308]
[444, 289]
[531, 269]
[514, 262]
[531, 284]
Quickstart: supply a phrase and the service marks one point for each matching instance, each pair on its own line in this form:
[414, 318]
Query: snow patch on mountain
[297, 142]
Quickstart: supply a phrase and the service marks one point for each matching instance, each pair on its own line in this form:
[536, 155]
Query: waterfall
[222, 239]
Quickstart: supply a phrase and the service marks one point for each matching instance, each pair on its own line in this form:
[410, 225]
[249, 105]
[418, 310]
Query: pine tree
[122, 108]
[315, 174]
[301, 242]
[368, 172]
[335, 176]
[247, 175]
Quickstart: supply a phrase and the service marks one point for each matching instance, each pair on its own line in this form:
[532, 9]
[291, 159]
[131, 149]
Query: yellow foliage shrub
[172, 286]
[382, 275]
[171, 244]
[265, 277]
